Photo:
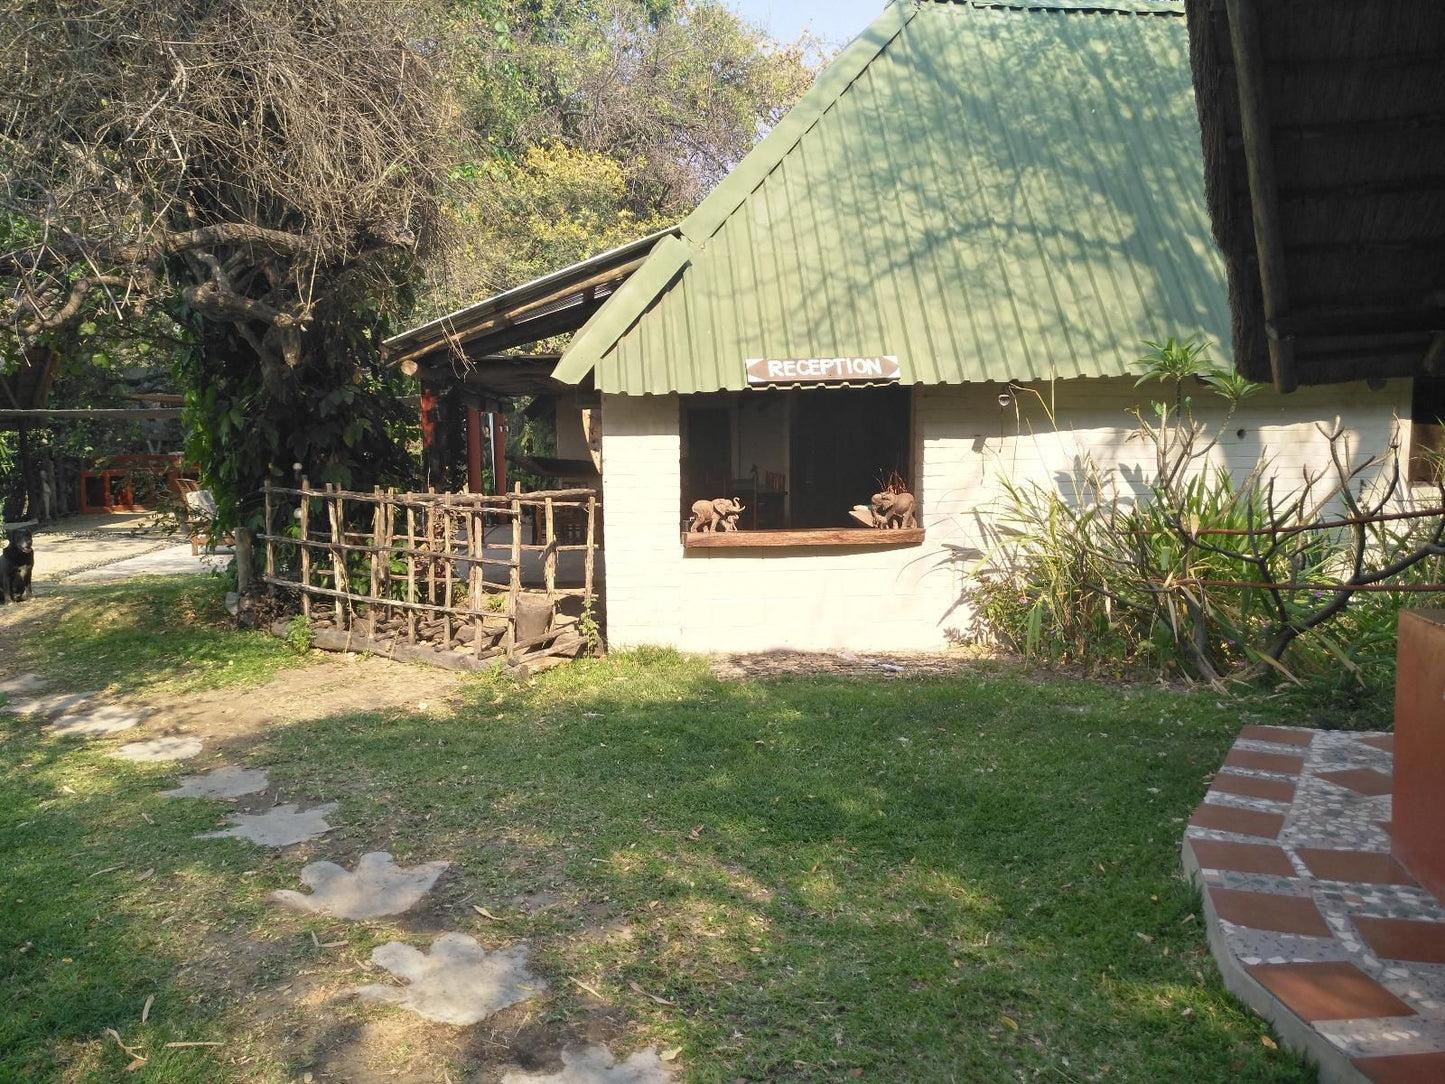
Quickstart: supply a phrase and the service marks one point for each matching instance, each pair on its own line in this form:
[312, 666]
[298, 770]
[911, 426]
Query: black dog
[17, 560]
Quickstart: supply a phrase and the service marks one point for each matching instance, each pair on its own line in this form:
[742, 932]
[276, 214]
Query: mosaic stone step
[1311, 920]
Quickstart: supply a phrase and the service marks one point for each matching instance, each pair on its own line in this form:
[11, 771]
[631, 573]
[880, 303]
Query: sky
[836, 21]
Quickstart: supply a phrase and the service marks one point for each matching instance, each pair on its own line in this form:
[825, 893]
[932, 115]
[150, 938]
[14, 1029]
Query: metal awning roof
[986, 190]
[552, 305]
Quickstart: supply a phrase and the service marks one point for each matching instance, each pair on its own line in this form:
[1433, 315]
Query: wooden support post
[474, 450]
[305, 549]
[270, 531]
[550, 541]
[1244, 38]
[242, 539]
[499, 454]
[335, 507]
[410, 573]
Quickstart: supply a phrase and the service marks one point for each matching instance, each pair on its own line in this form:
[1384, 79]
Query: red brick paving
[1379, 741]
[1404, 1068]
[1403, 939]
[1365, 781]
[1281, 735]
[1328, 991]
[1252, 786]
[1360, 867]
[1245, 822]
[1267, 911]
[1241, 857]
[1264, 762]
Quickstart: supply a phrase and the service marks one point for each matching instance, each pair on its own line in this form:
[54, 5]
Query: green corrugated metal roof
[988, 192]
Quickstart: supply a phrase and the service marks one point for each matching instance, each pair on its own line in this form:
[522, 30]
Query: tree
[599, 121]
[265, 174]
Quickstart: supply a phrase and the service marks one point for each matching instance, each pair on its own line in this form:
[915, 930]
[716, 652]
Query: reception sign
[823, 370]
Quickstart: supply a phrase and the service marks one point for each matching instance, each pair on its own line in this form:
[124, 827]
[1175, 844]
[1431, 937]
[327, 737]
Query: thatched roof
[1324, 149]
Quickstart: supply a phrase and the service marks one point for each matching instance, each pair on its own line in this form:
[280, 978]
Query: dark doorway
[708, 464]
[846, 444]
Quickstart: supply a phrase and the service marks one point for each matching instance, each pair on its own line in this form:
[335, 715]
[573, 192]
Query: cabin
[937, 273]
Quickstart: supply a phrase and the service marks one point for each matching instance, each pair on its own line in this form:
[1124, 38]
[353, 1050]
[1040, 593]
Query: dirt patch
[355, 683]
[873, 664]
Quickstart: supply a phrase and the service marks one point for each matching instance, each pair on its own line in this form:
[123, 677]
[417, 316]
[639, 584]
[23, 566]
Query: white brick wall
[907, 598]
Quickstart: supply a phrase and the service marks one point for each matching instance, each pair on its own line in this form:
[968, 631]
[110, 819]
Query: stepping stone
[225, 782]
[456, 983]
[22, 683]
[280, 826]
[595, 1065]
[97, 722]
[53, 704]
[157, 750]
[378, 887]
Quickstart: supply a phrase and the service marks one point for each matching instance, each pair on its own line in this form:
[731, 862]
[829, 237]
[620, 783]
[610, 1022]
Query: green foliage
[1161, 578]
[340, 417]
[299, 635]
[596, 122]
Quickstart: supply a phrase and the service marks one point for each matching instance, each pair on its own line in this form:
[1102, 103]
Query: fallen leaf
[485, 913]
[147, 817]
[854, 1074]
[145, 1013]
[108, 869]
[1268, 1042]
[671, 1053]
[334, 944]
[1145, 938]
[1010, 1023]
[137, 1059]
[178, 1046]
[697, 831]
[146, 876]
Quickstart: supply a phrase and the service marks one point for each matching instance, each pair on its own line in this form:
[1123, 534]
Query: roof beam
[1344, 324]
[1358, 125]
[1263, 188]
[1383, 187]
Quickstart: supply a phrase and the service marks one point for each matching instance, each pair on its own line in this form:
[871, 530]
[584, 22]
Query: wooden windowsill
[821, 536]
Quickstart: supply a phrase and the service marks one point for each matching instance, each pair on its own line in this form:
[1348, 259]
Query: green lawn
[970, 878]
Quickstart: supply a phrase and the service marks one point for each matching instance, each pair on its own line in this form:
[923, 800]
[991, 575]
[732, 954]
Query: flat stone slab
[225, 782]
[457, 982]
[280, 826]
[21, 684]
[54, 704]
[378, 887]
[157, 750]
[595, 1065]
[96, 722]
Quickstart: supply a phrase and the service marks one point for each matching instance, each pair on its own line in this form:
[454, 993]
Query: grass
[965, 878]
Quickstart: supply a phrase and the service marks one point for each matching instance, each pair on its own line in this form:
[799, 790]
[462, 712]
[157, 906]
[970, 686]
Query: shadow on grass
[963, 878]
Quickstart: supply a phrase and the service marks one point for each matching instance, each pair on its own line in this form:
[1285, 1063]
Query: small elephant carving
[720, 514]
[894, 510]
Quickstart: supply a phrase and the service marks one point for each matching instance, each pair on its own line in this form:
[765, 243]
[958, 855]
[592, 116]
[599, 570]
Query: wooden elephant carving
[719, 514]
[894, 510]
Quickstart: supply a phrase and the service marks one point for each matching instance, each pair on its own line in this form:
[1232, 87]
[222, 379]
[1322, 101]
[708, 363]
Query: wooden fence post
[305, 547]
[335, 506]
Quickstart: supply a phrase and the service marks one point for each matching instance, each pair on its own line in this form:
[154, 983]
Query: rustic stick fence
[414, 575]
